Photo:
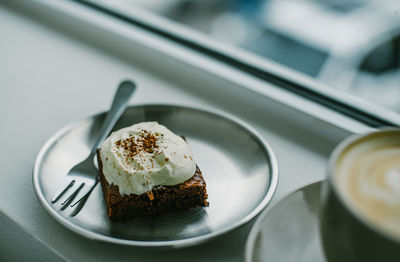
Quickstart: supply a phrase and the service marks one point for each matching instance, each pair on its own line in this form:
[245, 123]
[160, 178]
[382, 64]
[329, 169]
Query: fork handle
[120, 101]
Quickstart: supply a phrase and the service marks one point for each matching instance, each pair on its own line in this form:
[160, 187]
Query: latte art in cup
[368, 177]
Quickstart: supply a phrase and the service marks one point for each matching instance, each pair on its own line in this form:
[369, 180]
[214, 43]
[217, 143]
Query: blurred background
[353, 45]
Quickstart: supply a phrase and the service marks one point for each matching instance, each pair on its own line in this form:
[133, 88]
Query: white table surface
[50, 79]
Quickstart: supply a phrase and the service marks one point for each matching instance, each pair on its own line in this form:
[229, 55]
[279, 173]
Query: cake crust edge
[161, 199]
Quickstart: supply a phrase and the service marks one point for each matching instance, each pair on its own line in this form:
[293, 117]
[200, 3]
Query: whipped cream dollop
[145, 155]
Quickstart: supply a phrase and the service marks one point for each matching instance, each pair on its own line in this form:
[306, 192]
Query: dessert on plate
[146, 169]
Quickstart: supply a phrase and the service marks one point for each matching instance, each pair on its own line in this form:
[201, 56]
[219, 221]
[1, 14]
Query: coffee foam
[368, 176]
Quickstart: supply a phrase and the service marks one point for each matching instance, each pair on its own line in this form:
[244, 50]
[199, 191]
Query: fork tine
[71, 197]
[83, 199]
[87, 193]
[89, 184]
[59, 194]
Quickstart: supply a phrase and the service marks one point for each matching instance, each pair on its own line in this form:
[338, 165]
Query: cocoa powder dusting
[146, 142]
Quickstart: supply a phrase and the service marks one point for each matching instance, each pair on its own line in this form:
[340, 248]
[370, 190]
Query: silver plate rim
[249, 248]
[172, 243]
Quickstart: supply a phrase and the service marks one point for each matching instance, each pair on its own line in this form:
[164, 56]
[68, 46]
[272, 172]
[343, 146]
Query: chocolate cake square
[161, 199]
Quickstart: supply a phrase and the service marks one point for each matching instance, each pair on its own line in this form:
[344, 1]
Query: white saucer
[289, 230]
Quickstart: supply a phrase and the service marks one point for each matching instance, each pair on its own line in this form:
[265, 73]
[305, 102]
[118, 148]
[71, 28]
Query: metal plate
[239, 167]
[288, 231]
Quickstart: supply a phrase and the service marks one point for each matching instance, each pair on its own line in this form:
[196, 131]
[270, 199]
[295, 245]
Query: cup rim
[336, 153]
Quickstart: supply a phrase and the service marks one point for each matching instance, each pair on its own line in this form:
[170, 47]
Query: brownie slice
[161, 199]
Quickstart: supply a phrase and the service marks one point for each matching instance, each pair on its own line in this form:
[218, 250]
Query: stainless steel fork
[83, 178]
